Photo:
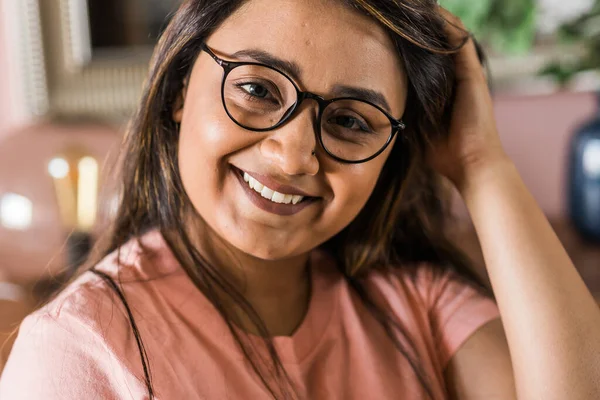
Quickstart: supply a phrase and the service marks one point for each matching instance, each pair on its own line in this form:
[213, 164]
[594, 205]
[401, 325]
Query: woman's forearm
[551, 320]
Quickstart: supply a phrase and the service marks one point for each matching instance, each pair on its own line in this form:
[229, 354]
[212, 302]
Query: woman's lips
[268, 205]
[276, 186]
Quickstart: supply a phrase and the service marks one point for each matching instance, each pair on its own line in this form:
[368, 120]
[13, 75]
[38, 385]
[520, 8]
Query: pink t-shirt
[80, 346]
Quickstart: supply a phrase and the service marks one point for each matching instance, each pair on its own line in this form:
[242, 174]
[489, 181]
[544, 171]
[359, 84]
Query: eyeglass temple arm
[399, 125]
[214, 56]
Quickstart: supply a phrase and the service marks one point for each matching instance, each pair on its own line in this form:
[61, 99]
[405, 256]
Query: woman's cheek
[349, 199]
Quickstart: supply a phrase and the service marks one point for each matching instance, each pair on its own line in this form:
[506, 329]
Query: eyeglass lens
[258, 97]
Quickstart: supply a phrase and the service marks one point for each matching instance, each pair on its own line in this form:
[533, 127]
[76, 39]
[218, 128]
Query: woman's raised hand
[473, 143]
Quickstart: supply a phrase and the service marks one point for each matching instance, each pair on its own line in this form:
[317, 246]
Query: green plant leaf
[472, 13]
[515, 38]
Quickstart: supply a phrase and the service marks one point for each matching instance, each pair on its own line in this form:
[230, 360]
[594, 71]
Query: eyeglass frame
[228, 66]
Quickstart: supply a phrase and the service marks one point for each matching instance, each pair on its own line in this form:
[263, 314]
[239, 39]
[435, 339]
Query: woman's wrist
[480, 173]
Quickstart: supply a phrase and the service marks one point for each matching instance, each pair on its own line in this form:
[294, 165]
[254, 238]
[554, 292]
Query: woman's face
[332, 46]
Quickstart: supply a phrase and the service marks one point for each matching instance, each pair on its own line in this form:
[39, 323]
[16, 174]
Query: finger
[468, 64]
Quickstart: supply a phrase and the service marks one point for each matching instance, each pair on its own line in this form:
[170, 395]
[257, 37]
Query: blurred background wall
[6, 112]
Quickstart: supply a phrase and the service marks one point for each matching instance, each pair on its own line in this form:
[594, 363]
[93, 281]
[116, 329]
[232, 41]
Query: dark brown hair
[402, 225]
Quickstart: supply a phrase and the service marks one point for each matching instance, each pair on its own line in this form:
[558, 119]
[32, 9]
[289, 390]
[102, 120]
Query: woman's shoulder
[59, 355]
[424, 280]
[133, 267]
[92, 303]
[86, 327]
[423, 283]
[450, 306]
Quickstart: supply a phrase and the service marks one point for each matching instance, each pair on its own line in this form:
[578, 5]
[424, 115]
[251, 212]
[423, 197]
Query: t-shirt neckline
[322, 308]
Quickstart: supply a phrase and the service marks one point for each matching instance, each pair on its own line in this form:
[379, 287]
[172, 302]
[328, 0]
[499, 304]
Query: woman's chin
[269, 253]
[269, 249]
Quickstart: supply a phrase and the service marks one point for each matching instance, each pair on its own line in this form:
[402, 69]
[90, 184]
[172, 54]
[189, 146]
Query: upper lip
[276, 186]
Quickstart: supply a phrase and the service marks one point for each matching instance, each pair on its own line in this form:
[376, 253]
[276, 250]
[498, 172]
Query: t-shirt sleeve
[456, 310]
[59, 357]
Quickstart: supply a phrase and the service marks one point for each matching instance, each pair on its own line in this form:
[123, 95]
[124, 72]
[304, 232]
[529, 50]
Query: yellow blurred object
[87, 193]
[75, 180]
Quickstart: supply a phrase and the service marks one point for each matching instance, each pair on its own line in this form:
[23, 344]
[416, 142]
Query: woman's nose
[292, 145]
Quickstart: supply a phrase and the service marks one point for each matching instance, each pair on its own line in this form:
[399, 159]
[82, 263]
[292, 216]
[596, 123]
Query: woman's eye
[256, 90]
[348, 122]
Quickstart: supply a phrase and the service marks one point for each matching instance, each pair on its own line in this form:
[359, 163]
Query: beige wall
[12, 107]
[4, 82]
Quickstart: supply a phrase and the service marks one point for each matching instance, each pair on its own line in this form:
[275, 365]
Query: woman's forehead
[330, 43]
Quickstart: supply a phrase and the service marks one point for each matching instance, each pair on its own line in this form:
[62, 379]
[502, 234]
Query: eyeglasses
[260, 98]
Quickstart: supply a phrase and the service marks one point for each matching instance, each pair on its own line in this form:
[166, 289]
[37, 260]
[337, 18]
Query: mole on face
[305, 26]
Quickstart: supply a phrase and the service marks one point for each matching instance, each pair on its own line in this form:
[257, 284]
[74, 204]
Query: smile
[271, 194]
[272, 201]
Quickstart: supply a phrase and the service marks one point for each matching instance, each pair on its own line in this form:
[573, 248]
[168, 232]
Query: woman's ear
[179, 101]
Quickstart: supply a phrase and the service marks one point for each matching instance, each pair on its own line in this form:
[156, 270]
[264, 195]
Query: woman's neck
[278, 290]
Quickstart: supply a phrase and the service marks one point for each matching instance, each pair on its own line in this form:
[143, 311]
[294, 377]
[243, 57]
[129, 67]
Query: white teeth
[258, 186]
[266, 193]
[278, 197]
[271, 194]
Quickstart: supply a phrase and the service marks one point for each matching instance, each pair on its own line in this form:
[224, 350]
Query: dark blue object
[584, 179]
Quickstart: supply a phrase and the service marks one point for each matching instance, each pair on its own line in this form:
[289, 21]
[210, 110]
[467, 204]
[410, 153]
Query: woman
[336, 280]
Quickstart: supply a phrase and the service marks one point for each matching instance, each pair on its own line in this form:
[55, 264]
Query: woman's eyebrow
[289, 67]
[372, 96]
